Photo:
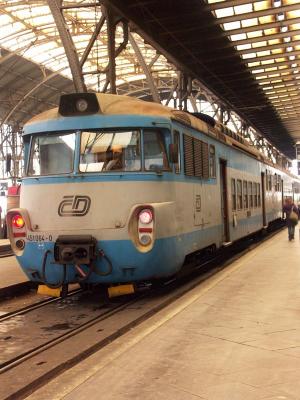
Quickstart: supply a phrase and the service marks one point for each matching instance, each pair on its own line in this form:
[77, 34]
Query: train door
[224, 201]
[263, 198]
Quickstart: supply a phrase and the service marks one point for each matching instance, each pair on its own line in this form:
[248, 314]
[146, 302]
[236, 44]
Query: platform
[235, 337]
[11, 273]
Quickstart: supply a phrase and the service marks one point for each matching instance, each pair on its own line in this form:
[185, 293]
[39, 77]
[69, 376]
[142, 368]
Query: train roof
[111, 104]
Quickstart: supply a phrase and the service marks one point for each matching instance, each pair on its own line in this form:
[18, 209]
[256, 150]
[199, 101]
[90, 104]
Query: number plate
[39, 237]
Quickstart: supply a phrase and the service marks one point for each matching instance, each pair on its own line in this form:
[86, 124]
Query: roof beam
[268, 25]
[285, 79]
[282, 72]
[27, 95]
[282, 45]
[80, 5]
[292, 100]
[272, 57]
[145, 67]
[265, 38]
[68, 44]
[227, 4]
[257, 14]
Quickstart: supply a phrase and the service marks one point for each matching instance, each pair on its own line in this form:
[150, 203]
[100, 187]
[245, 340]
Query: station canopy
[266, 34]
[34, 70]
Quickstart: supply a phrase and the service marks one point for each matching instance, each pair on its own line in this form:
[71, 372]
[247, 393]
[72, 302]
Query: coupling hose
[109, 263]
[52, 285]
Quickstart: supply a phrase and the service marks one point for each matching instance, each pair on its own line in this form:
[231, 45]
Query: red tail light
[17, 221]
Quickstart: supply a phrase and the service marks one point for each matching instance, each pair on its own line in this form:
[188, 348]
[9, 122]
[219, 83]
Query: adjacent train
[118, 190]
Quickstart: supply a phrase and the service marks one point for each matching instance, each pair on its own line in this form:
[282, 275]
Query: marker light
[81, 105]
[146, 216]
[18, 221]
[145, 240]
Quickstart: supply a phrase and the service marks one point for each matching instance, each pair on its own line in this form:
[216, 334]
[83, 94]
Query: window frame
[239, 194]
[250, 188]
[233, 195]
[245, 195]
[254, 188]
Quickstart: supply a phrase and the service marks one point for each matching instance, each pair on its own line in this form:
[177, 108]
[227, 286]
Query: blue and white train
[118, 190]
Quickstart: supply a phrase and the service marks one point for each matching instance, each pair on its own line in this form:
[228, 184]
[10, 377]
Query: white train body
[181, 186]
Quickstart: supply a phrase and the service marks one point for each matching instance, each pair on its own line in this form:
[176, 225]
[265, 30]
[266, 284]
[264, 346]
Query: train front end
[96, 184]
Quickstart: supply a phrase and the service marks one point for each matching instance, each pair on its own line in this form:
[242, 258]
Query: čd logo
[74, 206]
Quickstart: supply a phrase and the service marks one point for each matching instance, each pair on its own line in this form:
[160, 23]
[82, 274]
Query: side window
[245, 192]
[233, 194]
[155, 155]
[254, 194]
[239, 194]
[269, 182]
[205, 160]
[177, 149]
[250, 194]
[212, 161]
[278, 183]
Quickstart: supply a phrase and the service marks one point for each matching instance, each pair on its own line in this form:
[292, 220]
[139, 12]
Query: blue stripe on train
[165, 259]
[114, 177]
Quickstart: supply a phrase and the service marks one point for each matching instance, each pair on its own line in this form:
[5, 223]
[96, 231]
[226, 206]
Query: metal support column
[68, 44]
[111, 45]
[146, 69]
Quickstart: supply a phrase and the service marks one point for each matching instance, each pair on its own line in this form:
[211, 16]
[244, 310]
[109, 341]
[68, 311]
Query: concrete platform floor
[235, 337]
[10, 271]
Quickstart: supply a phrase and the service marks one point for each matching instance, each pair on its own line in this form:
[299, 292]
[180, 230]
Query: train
[119, 191]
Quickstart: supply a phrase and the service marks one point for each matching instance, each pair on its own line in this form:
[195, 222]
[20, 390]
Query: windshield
[110, 151]
[100, 151]
[52, 154]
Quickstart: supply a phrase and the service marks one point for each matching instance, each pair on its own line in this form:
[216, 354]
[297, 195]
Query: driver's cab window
[155, 154]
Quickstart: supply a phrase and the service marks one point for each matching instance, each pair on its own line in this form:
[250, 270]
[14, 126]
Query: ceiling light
[277, 3]
[290, 48]
[283, 28]
[294, 65]
[292, 58]
[287, 39]
[280, 16]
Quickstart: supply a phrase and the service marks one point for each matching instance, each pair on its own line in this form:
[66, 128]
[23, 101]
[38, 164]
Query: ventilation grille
[198, 158]
[188, 155]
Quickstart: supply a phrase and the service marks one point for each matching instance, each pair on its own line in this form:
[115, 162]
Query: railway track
[55, 335]
[34, 306]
